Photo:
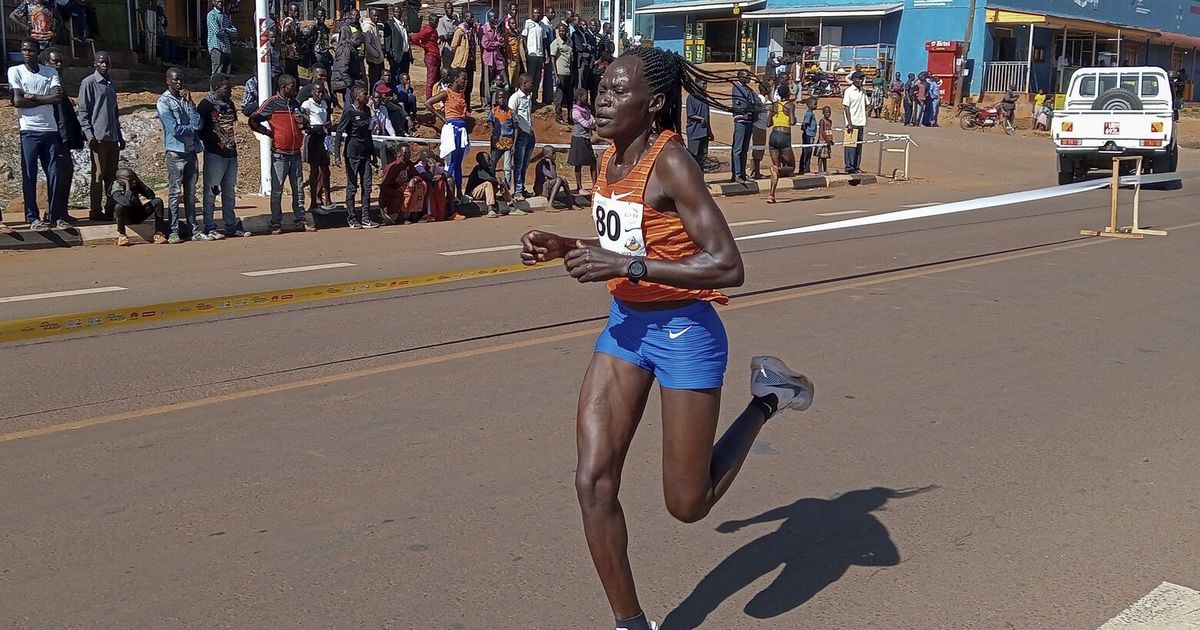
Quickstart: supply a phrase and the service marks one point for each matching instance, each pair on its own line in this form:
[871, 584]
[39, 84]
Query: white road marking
[43, 296]
[840, 213]
[1167, 607]
[481, 250]
[920, 205]
[751, 222]
[273, 272]
[967, 205]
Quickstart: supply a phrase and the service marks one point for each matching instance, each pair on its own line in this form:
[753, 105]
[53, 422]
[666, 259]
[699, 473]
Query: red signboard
[943, 45]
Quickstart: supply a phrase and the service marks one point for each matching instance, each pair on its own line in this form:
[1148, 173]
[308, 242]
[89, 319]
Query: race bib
[619, 224]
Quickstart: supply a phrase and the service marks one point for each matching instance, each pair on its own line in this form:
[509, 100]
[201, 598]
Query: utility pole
[958, 88]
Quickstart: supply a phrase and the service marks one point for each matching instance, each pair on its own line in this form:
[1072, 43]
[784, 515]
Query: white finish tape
[967, 205]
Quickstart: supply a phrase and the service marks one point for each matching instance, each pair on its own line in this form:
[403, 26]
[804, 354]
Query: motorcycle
[824, 85]
[971, 116]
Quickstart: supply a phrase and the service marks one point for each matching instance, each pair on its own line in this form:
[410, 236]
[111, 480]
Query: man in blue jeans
[180, 121]
[36, 89]
[521, 104]
[745, 105]
[218, 117]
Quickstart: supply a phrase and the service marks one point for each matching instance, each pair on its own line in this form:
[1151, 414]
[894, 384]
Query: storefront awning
[1004, 16]
[864, 10]
[700, 6]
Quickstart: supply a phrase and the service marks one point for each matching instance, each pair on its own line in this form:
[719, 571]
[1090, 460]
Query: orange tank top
[456, 104]
[628, 226]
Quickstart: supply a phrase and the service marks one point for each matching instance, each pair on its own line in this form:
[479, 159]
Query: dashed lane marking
[840, 213]
[275, 272]
[43, 296]
[118, 317]
[751, 222]
[481, 250]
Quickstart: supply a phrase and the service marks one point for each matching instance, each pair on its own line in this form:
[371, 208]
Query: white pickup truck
[1112, 112]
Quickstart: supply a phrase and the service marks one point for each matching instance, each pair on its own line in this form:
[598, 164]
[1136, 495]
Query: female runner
[665, 250]
[783, 158]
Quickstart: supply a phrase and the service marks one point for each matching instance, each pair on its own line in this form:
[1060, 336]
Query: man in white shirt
[521, 104]
[535, 53]
[36, 89]
[854, 105]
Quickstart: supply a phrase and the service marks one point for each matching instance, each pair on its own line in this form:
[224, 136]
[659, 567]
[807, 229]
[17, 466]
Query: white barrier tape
[763, 147]
[474, 143]
[601, 147]
[968, 205]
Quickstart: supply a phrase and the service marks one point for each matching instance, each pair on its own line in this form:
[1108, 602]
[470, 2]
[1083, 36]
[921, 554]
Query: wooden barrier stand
[1135, 230]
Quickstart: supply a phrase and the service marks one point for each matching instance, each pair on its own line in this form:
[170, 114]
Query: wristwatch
[636, 270]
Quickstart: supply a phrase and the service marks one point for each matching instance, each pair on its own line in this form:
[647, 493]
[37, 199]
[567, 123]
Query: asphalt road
[1002, 438]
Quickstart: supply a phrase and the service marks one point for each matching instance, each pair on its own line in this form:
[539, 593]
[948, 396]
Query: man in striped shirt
[285, 127]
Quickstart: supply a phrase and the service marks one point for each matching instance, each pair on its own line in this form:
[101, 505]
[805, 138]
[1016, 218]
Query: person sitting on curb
[548, 182]
[483, 185]
[402, 191]
[126, 193]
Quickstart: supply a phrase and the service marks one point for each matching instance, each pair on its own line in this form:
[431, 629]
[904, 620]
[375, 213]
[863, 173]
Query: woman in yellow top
[783, 159]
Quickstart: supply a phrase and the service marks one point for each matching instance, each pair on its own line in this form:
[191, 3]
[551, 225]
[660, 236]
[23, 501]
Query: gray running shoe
[517, 212]
[768, 375]
[200, 236]
[354, 225]
[216, 236]
[368, 224]
[174, 239]
[38, 225]
[239, 233]
[61, 225]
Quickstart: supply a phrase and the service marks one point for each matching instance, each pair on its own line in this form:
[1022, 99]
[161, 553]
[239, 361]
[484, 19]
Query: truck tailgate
[1092, 130]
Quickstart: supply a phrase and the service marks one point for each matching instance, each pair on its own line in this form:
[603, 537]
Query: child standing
[581, 154]
[316, 107]
[825, 138]
[504, 133]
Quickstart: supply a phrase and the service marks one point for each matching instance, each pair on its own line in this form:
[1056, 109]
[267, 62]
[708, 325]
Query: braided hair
[668, 73]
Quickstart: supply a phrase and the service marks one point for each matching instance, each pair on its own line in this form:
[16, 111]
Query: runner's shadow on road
[818, 540]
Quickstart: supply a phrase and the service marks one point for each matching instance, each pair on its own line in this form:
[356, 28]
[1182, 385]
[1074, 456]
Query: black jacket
[68, 124]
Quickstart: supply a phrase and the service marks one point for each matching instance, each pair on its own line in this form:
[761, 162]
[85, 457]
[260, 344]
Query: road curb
[106, 233]
[807, 182]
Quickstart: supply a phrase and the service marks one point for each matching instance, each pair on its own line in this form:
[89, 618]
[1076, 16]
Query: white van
[1115, 112]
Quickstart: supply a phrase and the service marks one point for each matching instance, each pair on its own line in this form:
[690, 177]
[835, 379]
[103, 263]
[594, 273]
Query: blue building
[1032, 44]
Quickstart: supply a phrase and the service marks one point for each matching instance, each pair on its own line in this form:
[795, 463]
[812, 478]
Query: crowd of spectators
[357, 111]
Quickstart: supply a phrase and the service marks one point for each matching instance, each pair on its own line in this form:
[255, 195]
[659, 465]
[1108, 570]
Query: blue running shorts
[685, 347]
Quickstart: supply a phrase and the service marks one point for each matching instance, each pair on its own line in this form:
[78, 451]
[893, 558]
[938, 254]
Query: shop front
[837, 38]
[705, 32]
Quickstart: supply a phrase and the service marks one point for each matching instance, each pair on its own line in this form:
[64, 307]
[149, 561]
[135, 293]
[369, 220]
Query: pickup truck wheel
[1066, 171]
[1166, 164]
[1117, 99]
